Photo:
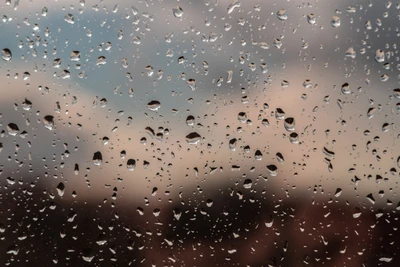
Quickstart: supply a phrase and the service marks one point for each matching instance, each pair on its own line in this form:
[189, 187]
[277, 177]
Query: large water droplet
[6, 54]
[335, 22]
[289, 124]
[281, 14]
[153, 105]
[177, 11]
[193, 138]
[234, 4]
[48, 122]
[12, 129]
[97, 158]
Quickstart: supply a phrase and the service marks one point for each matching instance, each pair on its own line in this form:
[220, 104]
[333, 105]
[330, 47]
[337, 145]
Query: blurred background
[186, 133]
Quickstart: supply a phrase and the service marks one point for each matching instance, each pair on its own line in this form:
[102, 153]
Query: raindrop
[153, 105]
[233, 144]
[279, 157]
[131, 164]
[346, 89]
[6, 54]
[242, 117]
[27, 105]
[335, 22]
[69, 18]
[258, 155]
[371, 112]
[338, 192]
[289, 124]
[177, 11]
[101, 60]
[247, 184]
[97, 158]
[281, 14]
[193, 138]
[385, 127]
[60, 189]
[272, 170]
[311, 18]
[192, 84]
[379, 56]
[65, 74]
[279, 114]
[396, 93]
[294, 138]
[48, 122]
[329, 153]
[350, 52]
[234, 4]
[75, 56]
[12, 129]
[190, 120]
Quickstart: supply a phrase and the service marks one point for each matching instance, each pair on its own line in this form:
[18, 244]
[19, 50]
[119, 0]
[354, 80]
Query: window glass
[203, 132]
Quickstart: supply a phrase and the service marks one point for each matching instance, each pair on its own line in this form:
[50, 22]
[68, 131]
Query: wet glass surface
[194, 133]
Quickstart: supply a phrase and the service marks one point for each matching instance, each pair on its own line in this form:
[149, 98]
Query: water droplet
[396, 93]
[281, 14]
[289, 124]
[192, 84]
[131, 164]
[338, 192]
[154, 105]
[234, 4]
[193, 138]
[379, 56]
[371, 112]
[65, 74]
[48, 122]
[311, 18]
[69, 18]
[329, 153]
[258, 155]
[97, 158]
[101, 60]
[335, 22]
[190, 120]
[385, 127]
[229, 76]
[346, 89]
[272, 170]
[6, 54]
[279, 157]
[247, 184]
[60, 189]
[233, 144]
[177, 11]
[27, 105]
[350, 52]
[294, 138]
[279, 114]
[75, 56]
[12, 129]
[242, 117]
[368, 25]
